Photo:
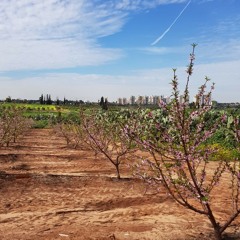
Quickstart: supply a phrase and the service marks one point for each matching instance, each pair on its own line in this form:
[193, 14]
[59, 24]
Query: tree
[101, 103]
[8, 99]
[57, 101]
[41, 99]
[180, 155]
[104, 103]
[106, 136]
[12, 125]
[48, 99]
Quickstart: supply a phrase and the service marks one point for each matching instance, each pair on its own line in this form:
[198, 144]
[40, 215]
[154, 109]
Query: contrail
[180, 14]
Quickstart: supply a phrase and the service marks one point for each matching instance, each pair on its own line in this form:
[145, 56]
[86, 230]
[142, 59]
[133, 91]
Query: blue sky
[85, 49]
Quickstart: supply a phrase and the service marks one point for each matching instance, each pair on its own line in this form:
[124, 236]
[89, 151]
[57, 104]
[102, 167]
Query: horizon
[87, 49]
[15, 100]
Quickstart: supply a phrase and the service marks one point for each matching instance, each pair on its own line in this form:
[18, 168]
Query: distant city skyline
[117, 48]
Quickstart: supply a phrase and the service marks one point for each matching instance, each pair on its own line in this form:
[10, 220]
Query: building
[124, 101]
[120, 101]
[203, 100]
[140, 100]
[156, 100]
[182, 100]
[146, 100]
[132, 100]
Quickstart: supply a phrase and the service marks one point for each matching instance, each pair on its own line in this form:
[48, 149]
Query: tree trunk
[215, 224]
[118, 171]
[218, 234]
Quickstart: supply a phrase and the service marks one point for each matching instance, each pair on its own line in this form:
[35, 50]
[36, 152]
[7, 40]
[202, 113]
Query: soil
[50, 191]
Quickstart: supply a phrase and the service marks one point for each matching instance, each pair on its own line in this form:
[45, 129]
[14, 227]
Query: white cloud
[164, 50]
[219, 42]
[219, 50]
[56, 34]
[141, 4]
[43, 54]
[145, 82]
[204, 1]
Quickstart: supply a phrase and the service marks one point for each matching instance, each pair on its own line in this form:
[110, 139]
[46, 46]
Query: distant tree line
[45, 99]
[48, 101]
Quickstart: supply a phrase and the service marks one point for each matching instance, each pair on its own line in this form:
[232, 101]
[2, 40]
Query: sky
[85, 49]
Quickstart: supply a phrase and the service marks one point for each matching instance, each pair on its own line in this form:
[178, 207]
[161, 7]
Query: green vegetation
[45, 115]
[42, 114]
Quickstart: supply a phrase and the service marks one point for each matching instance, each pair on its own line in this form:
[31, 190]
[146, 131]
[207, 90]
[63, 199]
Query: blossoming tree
[180, 157]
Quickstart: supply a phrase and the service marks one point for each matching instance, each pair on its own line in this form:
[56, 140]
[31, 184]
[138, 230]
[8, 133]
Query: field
[49, 191]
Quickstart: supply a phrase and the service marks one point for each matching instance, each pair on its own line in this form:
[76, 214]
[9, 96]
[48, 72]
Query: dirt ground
[49, 191]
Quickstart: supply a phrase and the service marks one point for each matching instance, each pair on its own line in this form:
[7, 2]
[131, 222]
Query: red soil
[49, 191]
